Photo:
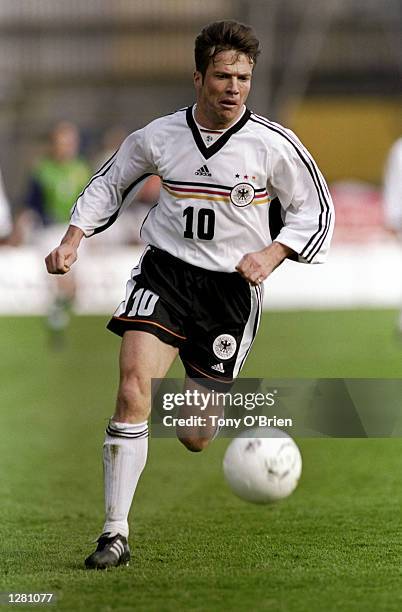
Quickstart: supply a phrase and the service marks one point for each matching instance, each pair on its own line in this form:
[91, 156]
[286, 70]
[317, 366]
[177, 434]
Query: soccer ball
[262, 465]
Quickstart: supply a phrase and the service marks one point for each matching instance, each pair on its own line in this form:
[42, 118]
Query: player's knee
[133, 398]
[194, 444]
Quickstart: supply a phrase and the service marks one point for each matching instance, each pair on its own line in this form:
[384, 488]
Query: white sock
[218, 426]
[124, 457]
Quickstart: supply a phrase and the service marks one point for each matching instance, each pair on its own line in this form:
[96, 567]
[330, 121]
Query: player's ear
[197, 76]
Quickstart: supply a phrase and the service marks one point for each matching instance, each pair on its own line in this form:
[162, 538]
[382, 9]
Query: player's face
[223, 90]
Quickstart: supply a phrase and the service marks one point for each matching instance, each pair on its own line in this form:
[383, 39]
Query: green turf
[334, 545]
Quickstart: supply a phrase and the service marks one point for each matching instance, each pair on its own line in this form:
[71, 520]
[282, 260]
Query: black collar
[208, 152]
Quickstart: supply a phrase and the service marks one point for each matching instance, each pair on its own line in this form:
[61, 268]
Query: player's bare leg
[142, 357]
[197, 437]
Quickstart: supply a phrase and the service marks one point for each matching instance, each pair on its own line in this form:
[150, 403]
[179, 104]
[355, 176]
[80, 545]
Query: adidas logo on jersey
[218, 367]
[203, 171]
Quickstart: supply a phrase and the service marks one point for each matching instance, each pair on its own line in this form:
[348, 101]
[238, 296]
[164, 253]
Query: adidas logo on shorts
[218, 367]
[203, 171]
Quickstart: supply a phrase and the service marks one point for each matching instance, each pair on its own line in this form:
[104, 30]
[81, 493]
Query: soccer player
[56, 181]
[239, 195]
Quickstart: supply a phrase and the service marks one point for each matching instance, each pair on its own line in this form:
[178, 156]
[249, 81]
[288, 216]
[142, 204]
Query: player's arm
[115, 185]
[256, 267]
[104, 198]
[306, 208]
[60, 260]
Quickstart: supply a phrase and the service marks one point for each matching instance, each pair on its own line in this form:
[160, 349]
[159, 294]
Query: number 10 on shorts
[144, 302]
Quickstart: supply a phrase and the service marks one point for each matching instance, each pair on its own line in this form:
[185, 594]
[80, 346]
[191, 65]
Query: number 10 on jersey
[201, 222]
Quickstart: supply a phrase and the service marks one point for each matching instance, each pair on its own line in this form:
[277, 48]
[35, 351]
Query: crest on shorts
[242, 194]
[224, 346]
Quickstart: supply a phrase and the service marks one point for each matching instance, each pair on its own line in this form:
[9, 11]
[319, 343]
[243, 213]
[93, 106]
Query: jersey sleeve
[393, 188]
[114, 186]
[307, 210]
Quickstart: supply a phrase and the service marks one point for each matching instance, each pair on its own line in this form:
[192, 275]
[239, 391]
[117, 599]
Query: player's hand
[256, 267]
[252, 267]
[60, 260]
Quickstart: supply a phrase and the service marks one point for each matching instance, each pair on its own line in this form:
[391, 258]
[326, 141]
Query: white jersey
[393, 188]
[253, 184]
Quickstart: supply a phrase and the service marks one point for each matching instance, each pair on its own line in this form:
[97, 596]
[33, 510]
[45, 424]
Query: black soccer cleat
[110, 552]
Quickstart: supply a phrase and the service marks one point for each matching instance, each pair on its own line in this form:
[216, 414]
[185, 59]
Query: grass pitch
[334, 545]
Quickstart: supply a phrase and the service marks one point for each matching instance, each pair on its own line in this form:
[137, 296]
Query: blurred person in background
[56, 181]
[6, 224]
[393, 199]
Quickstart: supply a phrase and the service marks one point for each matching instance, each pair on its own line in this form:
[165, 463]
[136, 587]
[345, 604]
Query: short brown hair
[222, 36]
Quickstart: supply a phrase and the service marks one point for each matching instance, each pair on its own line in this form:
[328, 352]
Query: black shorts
[212, 317]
